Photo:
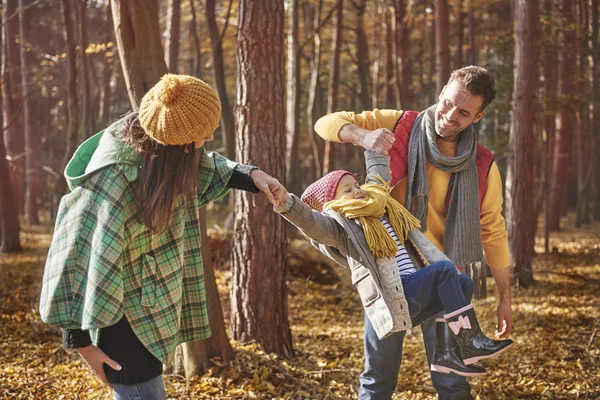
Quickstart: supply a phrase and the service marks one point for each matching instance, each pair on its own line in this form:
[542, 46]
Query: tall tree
[549, 61]
[521, 221]
[140, 49]
[196, 63]
[173, 28]
[107, 69]
[9, 211]
[31, 147]
[362, 56]
[216, 41]
[11, 99]
[259, 294]
[460, 33]
[293, 94]
[390, 60]
[72, 114]
[565, 117]
[334, 81]
[86, 112]
[595, 48]
[471, 22]
[442, 62]
[402, 42]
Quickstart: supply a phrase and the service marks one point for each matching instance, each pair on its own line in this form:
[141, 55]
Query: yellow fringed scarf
[368, 211]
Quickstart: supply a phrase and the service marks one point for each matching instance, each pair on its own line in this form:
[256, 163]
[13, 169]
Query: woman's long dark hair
[166, 173]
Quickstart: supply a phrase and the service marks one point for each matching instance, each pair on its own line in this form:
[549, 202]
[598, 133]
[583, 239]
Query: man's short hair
[478, 81]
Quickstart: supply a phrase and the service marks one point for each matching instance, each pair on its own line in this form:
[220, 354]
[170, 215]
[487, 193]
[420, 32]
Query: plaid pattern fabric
[323, 190]
[104, 264]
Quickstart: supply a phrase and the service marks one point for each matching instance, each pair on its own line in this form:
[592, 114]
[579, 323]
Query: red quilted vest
[399, 156]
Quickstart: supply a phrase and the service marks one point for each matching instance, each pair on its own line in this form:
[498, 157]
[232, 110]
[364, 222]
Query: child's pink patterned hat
[323, 190]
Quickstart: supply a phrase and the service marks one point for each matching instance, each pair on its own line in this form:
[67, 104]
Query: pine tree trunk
[442, 62]
[259, 294]
[86, 111]
[227, 118]
[72, 114]
[334, 82]
[362, 56]
[460, 34]
[11, 107]
[172, 42]
[472, 32]
[433, 93]
[293, 93]
[107, 72]
[565, 117]
[9, 211]
[390, 92]
[31, 142]
[403, 73]
[140, 49]
[595, 44]
[196, 69]
[521, 158]
[550, 60]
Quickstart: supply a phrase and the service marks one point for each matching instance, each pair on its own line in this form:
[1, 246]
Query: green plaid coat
[104, 264]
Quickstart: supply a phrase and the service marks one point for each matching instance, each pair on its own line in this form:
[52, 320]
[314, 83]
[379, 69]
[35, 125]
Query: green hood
[100, 151]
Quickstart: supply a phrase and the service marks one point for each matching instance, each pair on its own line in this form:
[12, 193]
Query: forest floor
[556, 328]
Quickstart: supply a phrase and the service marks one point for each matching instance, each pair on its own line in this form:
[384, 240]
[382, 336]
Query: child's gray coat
[341, 239]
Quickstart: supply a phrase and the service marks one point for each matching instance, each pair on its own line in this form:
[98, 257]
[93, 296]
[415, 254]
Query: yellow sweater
[493, 227]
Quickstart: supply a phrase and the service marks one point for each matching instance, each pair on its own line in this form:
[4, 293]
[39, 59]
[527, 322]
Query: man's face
[456, 110]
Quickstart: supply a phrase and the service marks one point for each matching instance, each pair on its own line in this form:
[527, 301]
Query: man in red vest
[452, 184]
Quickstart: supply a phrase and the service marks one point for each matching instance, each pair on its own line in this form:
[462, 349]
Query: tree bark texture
[293, 93]
[86, 109]
[471, 22]
[334, 82]
[173, 29]
[362, 55]
[565, 117]
[442, 62]
[403, 62]
[31, 142]
[521, 157]
[595, 44]
[140, 49]
[227, 118]
[259, 294]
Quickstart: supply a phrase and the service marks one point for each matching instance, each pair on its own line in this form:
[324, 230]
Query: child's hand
[275, 191]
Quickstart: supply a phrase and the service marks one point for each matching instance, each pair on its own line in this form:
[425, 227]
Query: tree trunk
[377, 50]
[227, 118]
[442, 64]
[72, 115]
[293, 93]
[433, 93]
[31, 147]
[550, 60]
[334, 82]
[196, 69]
[196, 355]
[140, 49]
[313, 18]
[11, 103]
[596, 101]
[403, 73]
[86, 111]
[259, 294]
[565, 117]
[521, 158]
[390, 81]
[172, 42]
[460, 34]
[107, 72]
[471, 21]
[362, 56]
[9, 211]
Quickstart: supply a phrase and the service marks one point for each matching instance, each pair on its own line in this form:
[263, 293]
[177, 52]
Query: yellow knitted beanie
[180, 109]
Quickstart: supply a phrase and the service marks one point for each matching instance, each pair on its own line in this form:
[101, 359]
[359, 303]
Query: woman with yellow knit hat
[124, 276]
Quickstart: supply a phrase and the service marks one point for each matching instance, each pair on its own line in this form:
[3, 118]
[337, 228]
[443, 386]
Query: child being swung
[363, 228]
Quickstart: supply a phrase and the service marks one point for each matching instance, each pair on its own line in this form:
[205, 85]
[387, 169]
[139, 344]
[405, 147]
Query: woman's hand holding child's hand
[275, 191]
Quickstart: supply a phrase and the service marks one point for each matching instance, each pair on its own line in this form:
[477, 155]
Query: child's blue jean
[437, 287]
[154, 389]
[383, 356]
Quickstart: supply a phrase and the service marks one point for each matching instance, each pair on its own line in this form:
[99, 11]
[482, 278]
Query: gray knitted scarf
[462, 231]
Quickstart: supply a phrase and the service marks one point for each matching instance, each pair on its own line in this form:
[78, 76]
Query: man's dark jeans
[383, 357]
